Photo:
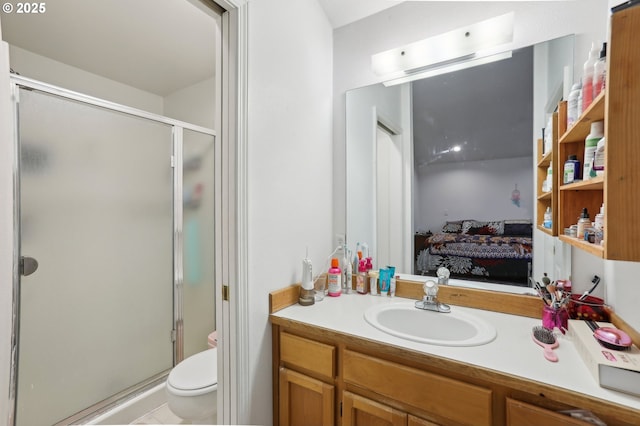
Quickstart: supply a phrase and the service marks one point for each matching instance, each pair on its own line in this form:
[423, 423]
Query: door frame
[232, 315]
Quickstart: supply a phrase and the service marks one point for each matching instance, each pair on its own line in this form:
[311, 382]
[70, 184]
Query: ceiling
[158, 46]
[485, 110]
[343, 12]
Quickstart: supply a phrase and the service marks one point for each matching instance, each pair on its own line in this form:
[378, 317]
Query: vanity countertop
[512, 351]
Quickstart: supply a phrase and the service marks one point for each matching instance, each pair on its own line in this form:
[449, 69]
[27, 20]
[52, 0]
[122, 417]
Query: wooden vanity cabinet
[327, 378]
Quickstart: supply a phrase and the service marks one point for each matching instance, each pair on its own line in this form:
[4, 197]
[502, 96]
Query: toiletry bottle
[392, 286]
[587, 77]
[361, 278]
[344, 261]
[599, 219]
[373, 283]
[334, 279]
[349, 278]
[599, 226]
[571, 169]
[583, 223]
[598, 159]
[600, 72]
[547, 218]
[549, 177]
[384, 281]
[573, 112]
[590, 145]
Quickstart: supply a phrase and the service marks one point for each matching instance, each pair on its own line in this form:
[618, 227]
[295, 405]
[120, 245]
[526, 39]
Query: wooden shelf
[582, 127]
[549, 199]
[617, 106]
[594, 249]
[546, 159]
[545, 196]
[594, 184]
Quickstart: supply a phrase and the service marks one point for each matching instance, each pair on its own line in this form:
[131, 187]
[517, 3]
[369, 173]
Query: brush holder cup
[590, 308]
[555, 317]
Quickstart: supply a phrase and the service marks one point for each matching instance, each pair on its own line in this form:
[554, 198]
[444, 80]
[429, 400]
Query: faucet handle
[430, 288]
[443, 275]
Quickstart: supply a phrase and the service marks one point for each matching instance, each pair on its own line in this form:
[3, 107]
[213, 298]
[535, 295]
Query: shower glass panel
[96, 213]
[199, 240]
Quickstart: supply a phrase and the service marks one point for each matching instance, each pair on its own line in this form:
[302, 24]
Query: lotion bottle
[335, 278]
[600, 72]
[590, 146]
[587, 77]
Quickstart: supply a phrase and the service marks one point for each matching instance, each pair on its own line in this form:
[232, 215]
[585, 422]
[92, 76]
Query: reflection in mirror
[440, 170]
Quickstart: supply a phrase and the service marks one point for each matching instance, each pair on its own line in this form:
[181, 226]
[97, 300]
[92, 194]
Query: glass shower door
[96, 214]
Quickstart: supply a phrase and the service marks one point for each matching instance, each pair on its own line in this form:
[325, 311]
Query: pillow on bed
[518, 228]
[452, 227]
[476, 227]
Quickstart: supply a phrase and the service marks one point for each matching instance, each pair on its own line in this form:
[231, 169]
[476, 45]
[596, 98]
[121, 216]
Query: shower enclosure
[115, 251]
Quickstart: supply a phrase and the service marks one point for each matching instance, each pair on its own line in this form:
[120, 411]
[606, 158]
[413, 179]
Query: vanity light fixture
[441, 53]
[449, 68]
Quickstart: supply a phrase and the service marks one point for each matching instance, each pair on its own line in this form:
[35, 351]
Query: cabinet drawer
[523, 414]
[308, 354]
[451, 399]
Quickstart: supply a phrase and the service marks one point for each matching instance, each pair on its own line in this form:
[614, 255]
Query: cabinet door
[417, 421]
[361, 411]
[523, 414]
[305, 400]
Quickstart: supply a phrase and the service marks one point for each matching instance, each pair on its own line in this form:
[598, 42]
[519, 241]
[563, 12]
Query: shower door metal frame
[178, 126]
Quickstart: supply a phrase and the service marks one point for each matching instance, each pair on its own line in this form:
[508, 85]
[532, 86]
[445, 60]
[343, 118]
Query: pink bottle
[335, 278]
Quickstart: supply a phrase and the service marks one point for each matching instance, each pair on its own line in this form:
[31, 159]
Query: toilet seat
[195, 375]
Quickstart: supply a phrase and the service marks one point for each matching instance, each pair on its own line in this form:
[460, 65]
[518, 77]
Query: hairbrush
[545, 338]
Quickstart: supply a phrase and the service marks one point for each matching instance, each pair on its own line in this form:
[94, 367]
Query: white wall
[289, 162]
[193, 104]
[38, 67]
[482, 191]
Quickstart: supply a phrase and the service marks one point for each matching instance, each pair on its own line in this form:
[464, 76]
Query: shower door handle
[28, 265]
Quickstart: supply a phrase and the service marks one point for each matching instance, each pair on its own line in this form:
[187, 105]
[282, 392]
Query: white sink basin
[455, 328]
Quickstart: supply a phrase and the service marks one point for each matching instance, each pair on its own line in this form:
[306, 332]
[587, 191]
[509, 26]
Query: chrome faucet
[429, 301]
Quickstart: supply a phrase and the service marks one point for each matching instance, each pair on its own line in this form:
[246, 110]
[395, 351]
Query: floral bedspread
[481, 246]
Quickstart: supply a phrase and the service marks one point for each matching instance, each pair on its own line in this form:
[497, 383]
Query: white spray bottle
[306, 289]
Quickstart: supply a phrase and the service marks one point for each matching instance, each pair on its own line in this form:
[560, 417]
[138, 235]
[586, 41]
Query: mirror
[454, 147]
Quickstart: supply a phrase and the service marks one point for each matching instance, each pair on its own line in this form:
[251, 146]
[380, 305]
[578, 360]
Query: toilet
[192, 386]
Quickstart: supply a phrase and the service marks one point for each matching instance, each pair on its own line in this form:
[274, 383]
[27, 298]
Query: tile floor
[160, 416]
